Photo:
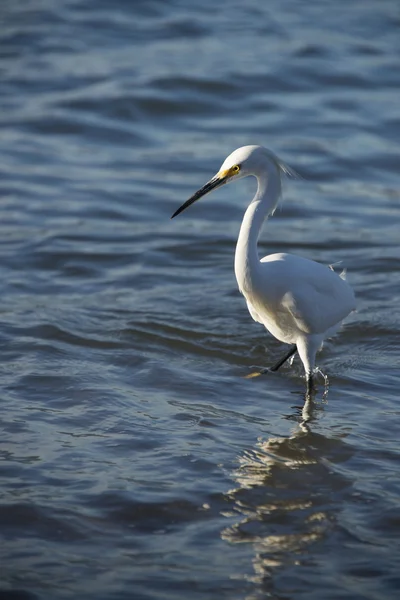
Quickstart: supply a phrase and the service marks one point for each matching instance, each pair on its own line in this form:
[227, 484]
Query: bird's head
[247, 160]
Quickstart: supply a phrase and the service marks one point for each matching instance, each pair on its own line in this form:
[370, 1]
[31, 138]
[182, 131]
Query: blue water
[136, 461]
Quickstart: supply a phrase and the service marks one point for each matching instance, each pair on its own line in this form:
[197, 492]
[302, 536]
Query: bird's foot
[310, 382]
[257, 373]
[318, 371]
[326, 383]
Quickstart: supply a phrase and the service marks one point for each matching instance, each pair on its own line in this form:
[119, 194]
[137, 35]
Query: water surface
[136, 460]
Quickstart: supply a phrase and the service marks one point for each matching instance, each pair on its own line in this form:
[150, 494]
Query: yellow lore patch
[229, 172]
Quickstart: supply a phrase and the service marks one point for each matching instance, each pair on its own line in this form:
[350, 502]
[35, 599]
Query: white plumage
[299, 301]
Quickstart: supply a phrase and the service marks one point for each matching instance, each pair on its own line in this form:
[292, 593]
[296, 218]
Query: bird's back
[293, 295]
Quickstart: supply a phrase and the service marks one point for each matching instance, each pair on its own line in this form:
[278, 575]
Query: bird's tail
[343, 274]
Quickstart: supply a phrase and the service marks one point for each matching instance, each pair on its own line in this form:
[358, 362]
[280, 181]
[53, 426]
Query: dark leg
[274, 367]
[310, 384]
[282, 360]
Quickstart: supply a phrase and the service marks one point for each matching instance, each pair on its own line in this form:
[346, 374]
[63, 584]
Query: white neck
[263, 204]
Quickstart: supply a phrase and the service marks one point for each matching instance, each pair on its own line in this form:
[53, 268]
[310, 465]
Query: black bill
[214, 183]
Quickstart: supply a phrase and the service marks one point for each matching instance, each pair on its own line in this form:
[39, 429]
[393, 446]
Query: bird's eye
[236, 169]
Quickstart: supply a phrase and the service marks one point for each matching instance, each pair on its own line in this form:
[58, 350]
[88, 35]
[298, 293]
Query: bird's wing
[319, 304]
[253, 312]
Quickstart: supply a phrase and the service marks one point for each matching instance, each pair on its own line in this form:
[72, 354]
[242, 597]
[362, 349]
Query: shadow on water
[288, 496]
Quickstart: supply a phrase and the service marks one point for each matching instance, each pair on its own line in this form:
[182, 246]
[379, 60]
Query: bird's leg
[307, 347]
[282, 360]
[276, 366]
[310, 384]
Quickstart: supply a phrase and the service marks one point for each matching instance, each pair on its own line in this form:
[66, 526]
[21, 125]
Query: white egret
[299, 301]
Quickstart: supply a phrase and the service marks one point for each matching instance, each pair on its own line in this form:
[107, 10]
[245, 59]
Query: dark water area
[136, 461]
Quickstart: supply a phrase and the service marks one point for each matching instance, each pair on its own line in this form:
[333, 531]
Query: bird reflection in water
[288, 495]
